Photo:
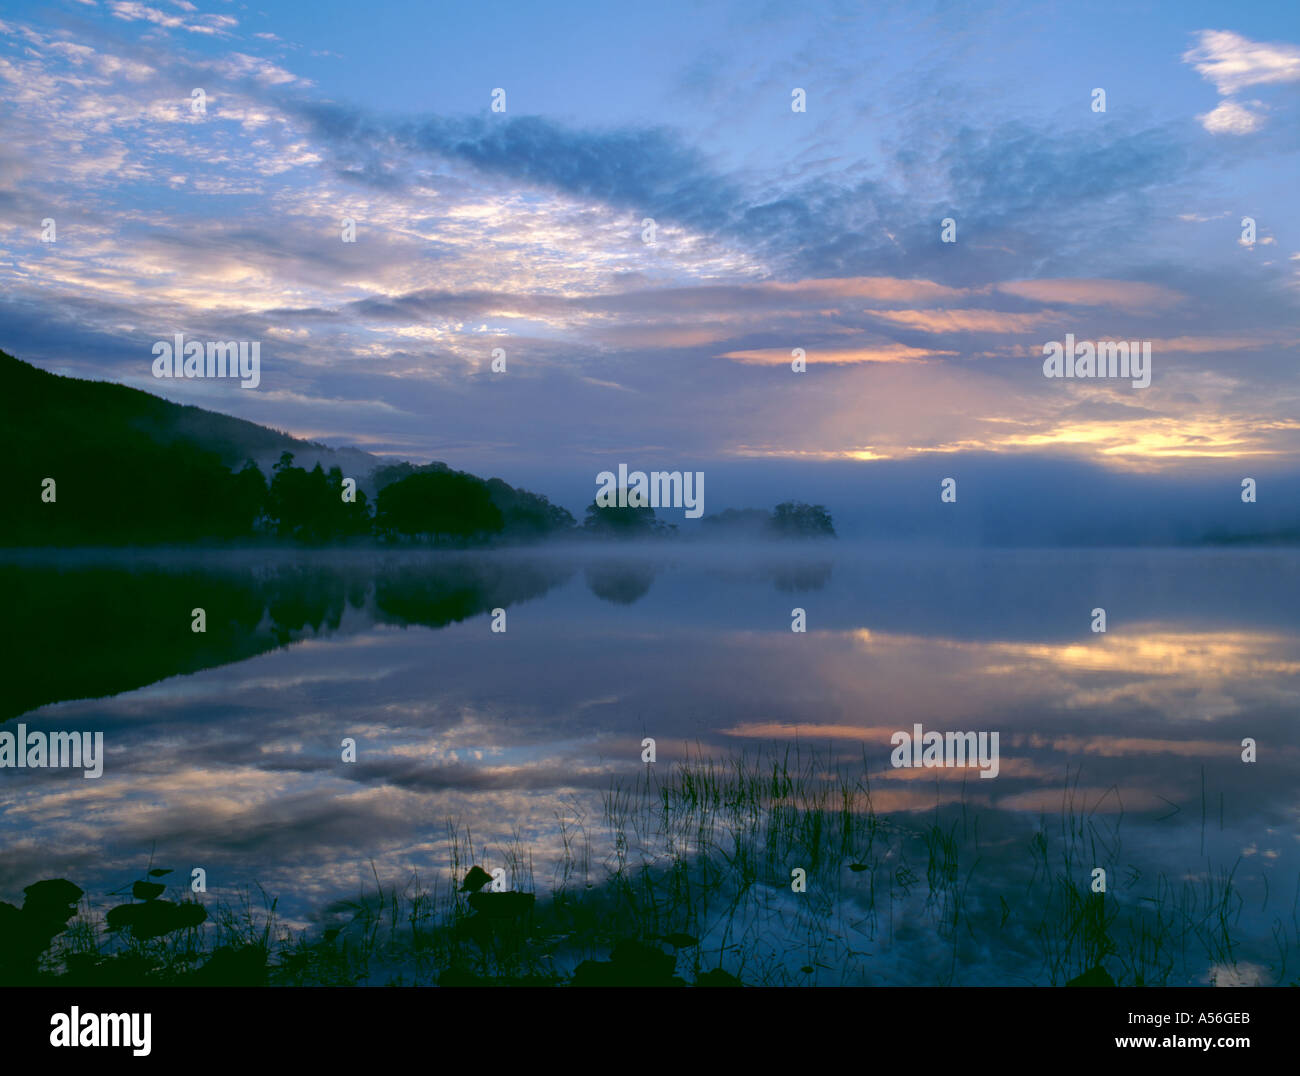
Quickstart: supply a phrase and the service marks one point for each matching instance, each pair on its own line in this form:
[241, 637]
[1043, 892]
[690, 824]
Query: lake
[1119, 751]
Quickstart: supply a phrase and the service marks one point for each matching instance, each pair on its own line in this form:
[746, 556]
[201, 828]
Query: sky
[773, 229]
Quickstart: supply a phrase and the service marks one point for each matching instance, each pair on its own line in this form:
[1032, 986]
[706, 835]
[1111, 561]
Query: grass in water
[689, 880]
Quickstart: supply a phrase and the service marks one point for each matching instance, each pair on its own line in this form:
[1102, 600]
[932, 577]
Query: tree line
[135, 491]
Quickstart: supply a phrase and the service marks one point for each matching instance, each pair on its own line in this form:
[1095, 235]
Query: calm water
[223, 748]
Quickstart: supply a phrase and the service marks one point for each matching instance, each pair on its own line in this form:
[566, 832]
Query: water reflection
[223, 750]
[82, 630]
[621, 584]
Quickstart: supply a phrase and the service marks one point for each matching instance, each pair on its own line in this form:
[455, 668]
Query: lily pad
[155, 918]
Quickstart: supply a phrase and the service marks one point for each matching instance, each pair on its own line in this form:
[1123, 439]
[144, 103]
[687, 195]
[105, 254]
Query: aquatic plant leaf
[155, 918]
[122, 916]
[51, 894]
[475, 880]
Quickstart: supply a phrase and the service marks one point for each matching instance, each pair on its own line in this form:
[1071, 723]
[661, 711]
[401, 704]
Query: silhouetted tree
[793, 519]
[309, 506]
[732, 521]
[248, 498]
[528, 515]
[623, 522]
[438, 504]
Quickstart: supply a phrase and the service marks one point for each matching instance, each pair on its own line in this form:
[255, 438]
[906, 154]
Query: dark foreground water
[223, 750]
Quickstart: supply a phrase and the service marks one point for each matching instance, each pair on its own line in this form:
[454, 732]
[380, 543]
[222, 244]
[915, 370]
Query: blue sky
[775, 229]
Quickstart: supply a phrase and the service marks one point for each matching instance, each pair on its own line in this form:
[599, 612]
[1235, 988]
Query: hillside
[42, 401]
[97, 463]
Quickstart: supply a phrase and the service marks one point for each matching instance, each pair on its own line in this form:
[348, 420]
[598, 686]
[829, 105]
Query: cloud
[1120, 294]
[1230, 118]
[837, 356]
[1233, 62]
[881, 289]
[1199, 344]
[211, 25]
[241, 65]
[1027, 188]
[525, 232]
[966, 321]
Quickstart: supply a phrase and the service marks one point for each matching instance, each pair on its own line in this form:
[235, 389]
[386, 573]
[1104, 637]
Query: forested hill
[49, 405]
[92, 462]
